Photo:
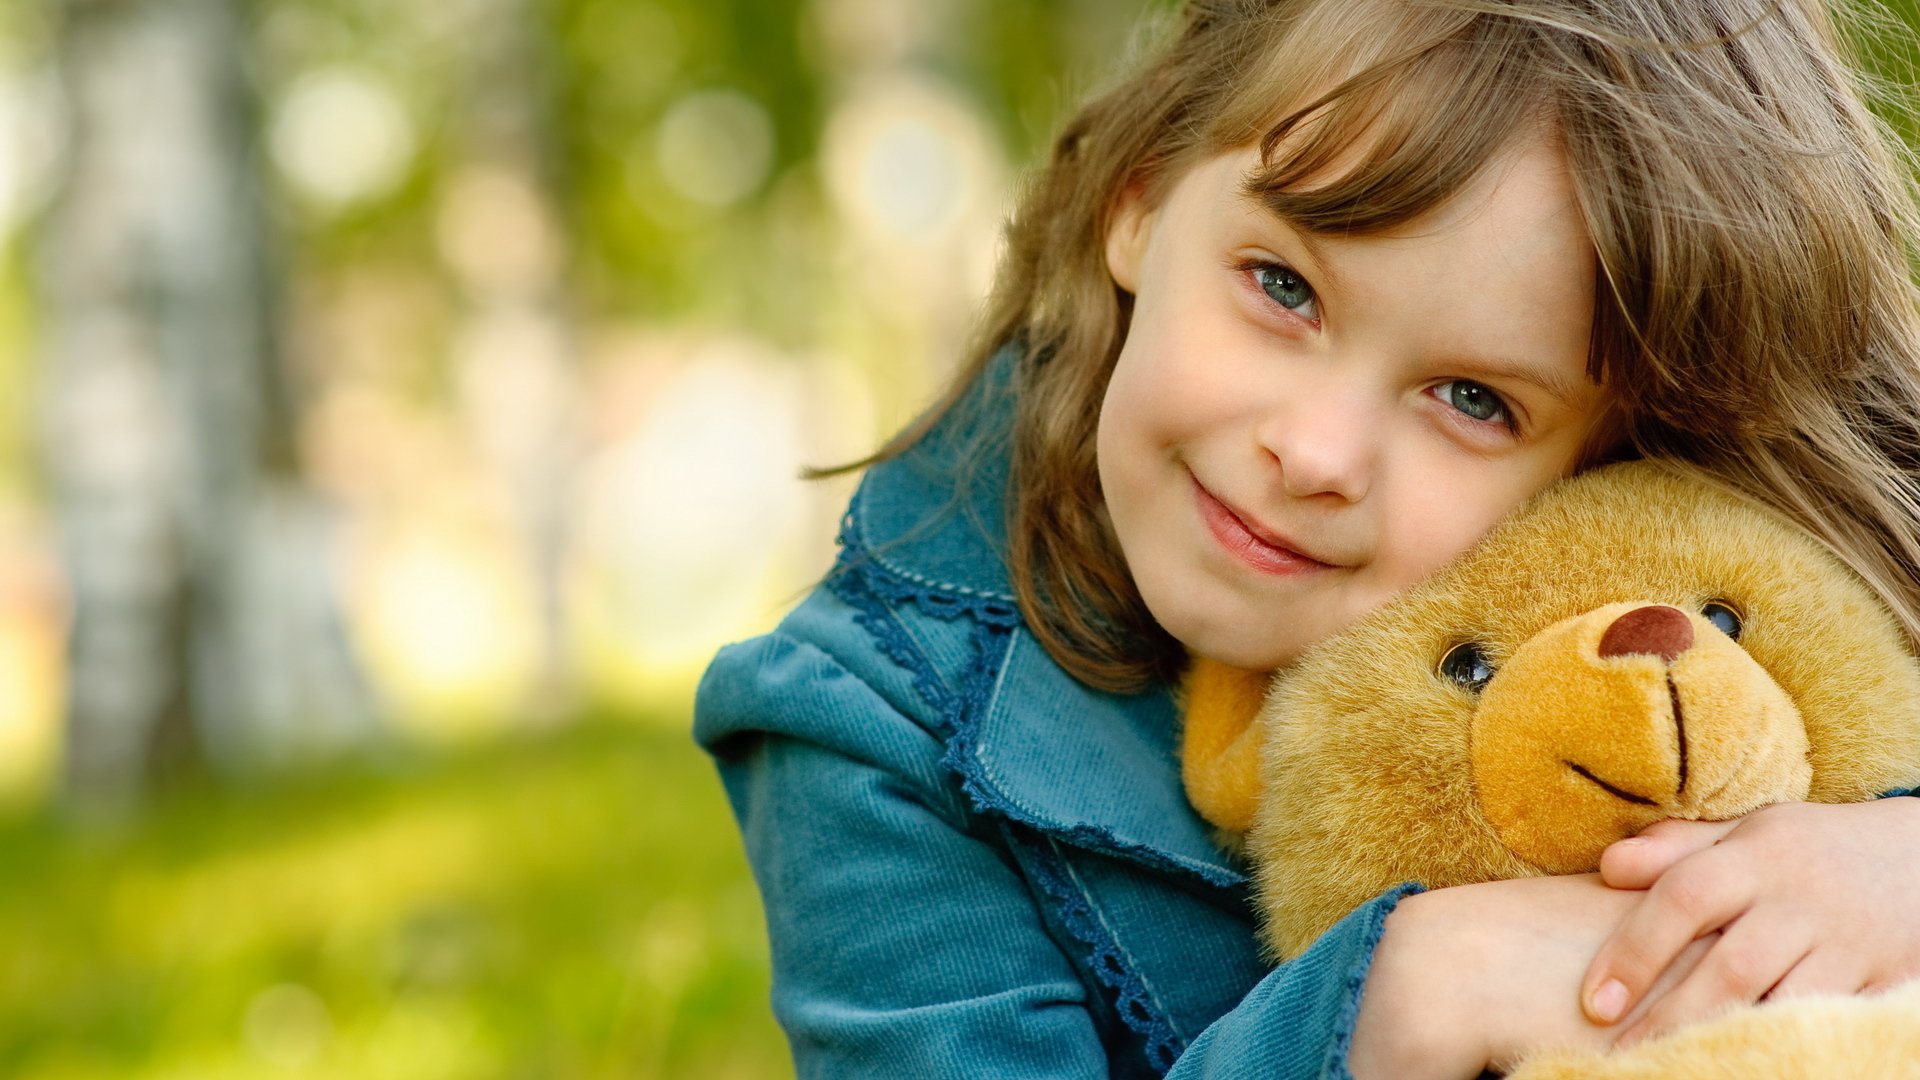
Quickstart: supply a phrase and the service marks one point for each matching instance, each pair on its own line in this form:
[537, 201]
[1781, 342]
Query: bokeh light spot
[288, 1025]
[447, 624]
[714, 147]
[906, 160]
[689, 519]
[494, 231]
[341, 136]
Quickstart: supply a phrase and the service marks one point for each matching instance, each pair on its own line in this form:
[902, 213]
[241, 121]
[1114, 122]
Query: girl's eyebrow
[1556, 385]
[1308, 239]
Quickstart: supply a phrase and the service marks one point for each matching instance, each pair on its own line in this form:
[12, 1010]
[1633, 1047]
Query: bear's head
[1634, 644]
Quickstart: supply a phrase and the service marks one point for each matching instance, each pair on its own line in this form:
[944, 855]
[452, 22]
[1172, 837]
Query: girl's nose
[1324, 444]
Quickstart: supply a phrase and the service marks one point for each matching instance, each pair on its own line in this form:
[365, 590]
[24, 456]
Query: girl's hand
[1807, 898]
[1475, 976]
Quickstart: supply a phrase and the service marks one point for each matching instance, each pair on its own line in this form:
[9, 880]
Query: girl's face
[1301, 426]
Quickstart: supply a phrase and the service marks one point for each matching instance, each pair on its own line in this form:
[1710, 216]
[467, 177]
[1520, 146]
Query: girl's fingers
[1823, 971]
[1638, 861]
[1689, 901]
[1740, 969]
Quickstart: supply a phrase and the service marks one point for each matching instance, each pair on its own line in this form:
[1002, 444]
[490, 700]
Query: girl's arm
[1474, 977]
[1793, 899]
[906, 939]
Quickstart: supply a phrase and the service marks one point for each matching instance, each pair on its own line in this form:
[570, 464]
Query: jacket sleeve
[905, 940]
[1298, 1022]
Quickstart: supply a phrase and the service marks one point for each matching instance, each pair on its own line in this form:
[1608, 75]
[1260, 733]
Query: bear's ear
[1220, 743]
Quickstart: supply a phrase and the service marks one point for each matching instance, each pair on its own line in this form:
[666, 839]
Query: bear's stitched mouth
[1679, 732]
[1615, 791]
[1680, 736]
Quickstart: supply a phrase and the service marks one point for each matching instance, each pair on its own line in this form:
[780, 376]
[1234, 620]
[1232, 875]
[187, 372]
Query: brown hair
[1757, 314]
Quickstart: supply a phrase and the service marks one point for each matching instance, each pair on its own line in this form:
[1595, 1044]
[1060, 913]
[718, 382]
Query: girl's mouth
[1262, 551]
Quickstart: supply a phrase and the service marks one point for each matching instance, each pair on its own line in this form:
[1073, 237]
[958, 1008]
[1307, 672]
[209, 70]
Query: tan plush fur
[1220, 765]
[1376, 769]
[1816, 1038]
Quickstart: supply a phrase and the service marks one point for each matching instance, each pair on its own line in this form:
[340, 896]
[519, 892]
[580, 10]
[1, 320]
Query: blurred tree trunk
[507, 247]
[202, 628]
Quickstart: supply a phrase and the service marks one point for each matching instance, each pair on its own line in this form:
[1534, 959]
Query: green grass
[572, 905]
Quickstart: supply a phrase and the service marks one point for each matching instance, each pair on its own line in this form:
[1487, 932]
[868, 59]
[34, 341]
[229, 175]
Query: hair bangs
[1405, 134]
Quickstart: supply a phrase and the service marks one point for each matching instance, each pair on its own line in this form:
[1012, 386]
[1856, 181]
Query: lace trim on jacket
[873, 590]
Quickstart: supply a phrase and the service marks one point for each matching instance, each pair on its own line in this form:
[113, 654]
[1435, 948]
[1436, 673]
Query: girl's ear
[1127, 238]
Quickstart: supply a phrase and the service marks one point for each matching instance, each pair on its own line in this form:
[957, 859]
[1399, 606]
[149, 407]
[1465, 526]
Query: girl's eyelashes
[1284, 286]
[1476, 402]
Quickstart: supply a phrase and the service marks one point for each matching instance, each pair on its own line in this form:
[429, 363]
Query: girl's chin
[1240, 650]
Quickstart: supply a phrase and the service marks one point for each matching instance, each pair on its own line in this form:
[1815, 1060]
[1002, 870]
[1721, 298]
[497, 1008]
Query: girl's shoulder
[915, 637]
[934, 517]
[918, 605]
[920, 577]
[970, 710]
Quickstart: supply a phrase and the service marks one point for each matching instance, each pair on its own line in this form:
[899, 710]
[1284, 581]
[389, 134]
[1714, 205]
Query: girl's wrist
[1412, 1023]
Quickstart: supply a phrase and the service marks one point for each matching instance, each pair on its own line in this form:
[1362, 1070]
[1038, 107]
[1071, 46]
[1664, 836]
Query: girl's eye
[1288, 289]
[1474, 400]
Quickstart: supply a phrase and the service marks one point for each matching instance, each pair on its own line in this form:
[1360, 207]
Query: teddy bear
[1636, 643]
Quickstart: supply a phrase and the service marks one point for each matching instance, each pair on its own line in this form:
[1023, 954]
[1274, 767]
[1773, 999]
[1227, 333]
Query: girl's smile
[1301, 425]
[1261, 548]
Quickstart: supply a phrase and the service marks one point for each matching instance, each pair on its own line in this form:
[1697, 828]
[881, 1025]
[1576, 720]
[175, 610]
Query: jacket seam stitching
[853, 535]
[935, 583]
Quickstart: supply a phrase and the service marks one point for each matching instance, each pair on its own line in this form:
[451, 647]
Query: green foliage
[1892, 51]
[574, 905]
[644, 251]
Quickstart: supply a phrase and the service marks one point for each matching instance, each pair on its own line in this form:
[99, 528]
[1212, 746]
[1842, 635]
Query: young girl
[1293, 316]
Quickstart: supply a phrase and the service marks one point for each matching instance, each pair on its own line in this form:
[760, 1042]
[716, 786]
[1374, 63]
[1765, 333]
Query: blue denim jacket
[974, 865]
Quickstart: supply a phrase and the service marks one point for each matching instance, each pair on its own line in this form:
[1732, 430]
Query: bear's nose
[1656, 629]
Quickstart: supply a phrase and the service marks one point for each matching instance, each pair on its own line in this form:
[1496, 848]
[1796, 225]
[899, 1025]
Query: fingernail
[1609, 1001]
[1631, 841]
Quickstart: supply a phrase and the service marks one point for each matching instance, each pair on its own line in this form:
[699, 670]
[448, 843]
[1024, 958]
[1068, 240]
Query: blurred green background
[399, 401]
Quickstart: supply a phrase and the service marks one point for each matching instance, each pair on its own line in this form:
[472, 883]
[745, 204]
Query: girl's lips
[1240, 540]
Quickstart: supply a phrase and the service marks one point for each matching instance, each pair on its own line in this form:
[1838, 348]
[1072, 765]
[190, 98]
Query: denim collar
[1094, 769]
[936, 515]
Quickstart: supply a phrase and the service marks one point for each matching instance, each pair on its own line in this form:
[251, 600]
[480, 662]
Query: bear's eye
[1723, 617]
[1467, 667]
